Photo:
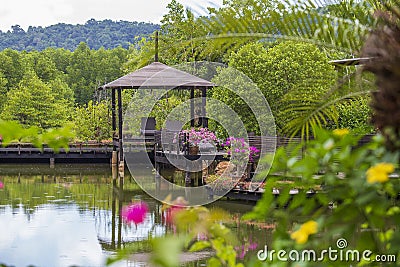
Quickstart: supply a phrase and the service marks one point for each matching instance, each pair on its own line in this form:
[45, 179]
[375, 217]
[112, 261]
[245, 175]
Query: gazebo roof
[158, 76]
[350, 61]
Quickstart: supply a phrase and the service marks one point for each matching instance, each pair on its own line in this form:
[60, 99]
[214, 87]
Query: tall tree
[11, 66]
[337, 26]
[33, 103]
[3, 91]
[92, 121]
[383, 46]
[81, 74]
[286, 72]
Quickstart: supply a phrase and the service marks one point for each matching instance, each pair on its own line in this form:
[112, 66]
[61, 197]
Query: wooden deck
[256, 195]
[162, 156]
[88, 152]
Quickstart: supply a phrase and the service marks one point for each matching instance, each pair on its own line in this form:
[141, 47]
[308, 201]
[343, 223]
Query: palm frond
[305, 117]
[301, 20]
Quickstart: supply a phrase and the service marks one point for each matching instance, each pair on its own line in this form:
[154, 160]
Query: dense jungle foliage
[48, 87]
[96, 34]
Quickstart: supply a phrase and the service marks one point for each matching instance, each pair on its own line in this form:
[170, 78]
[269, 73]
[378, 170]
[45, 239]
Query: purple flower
[135, 212]
[203, 135]
[241, 148]
[242, 253]
[253, 246]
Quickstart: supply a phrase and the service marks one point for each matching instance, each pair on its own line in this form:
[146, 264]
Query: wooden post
[192, 107]
[114, 158]
[204, 119]
[156, 48]
[52, 162]
[113, 213]
[114, 172]
[114, 121]
[188, 179]
[121, 170]
[121, 152]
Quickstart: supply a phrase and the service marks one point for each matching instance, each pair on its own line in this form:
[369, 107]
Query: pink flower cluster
[1, 185]
[171, 212]
[135, 212]
[239, 145]
[243, 249]
[195, 137]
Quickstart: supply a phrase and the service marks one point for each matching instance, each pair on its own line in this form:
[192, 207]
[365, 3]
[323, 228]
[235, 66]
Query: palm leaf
[304, 118]
[294, 20]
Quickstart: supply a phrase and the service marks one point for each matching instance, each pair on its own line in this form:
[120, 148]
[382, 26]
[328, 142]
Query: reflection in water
[71, 216]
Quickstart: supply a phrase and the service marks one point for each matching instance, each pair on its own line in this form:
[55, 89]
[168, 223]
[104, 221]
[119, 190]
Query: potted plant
[195, 138]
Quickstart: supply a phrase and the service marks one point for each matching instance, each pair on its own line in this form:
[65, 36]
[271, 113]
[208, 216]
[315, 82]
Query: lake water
[69, 216]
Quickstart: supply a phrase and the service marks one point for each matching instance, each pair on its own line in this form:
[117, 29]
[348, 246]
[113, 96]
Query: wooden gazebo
[155, 76]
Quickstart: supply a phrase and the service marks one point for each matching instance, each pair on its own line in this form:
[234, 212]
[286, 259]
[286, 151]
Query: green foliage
[182, 27]
[183, 38]
[129, 249]
[3, 90]
[289, 73]
[163, 108]
[336, 27]
[106, 33]
[289, 70]
[352, 10]
[190, 223]
[228, 78]
[166, 251]
[88, 68]
[81, 74]
[337, 169]
[239, 22]
[355, 115]
[93, 121]
[42, 65]
[33, 103]
[54, 138]
[200, 220]
[11, 67]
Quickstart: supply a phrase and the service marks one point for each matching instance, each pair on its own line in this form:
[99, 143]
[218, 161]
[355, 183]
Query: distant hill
[106, 33]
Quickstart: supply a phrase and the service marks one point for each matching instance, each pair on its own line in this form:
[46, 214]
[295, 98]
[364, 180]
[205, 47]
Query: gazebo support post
[192, 107]
[121, 152]
[204, 119]
[114, 158]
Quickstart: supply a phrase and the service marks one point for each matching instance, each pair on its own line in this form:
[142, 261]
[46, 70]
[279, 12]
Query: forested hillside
[96, 34]
[48, 87]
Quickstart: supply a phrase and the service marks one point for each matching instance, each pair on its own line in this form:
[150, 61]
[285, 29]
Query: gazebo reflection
[113, 233]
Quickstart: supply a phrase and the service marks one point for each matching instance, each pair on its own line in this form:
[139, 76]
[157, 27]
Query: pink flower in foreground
[135, 212]
[1, 185]
[171, 212]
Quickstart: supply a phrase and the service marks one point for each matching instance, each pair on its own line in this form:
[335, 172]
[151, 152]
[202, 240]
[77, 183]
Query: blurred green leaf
[55, 138]
[166, 251]
[199, 245]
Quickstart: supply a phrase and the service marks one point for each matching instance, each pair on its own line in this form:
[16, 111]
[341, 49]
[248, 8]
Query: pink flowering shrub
[244, 249]
[135, 212]
[195, 137]
[171, 212]
[240, 148]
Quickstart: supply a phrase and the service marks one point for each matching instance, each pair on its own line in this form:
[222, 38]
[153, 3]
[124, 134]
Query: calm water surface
[69, 216]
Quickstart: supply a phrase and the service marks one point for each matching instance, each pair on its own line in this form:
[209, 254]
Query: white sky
[48, 12]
